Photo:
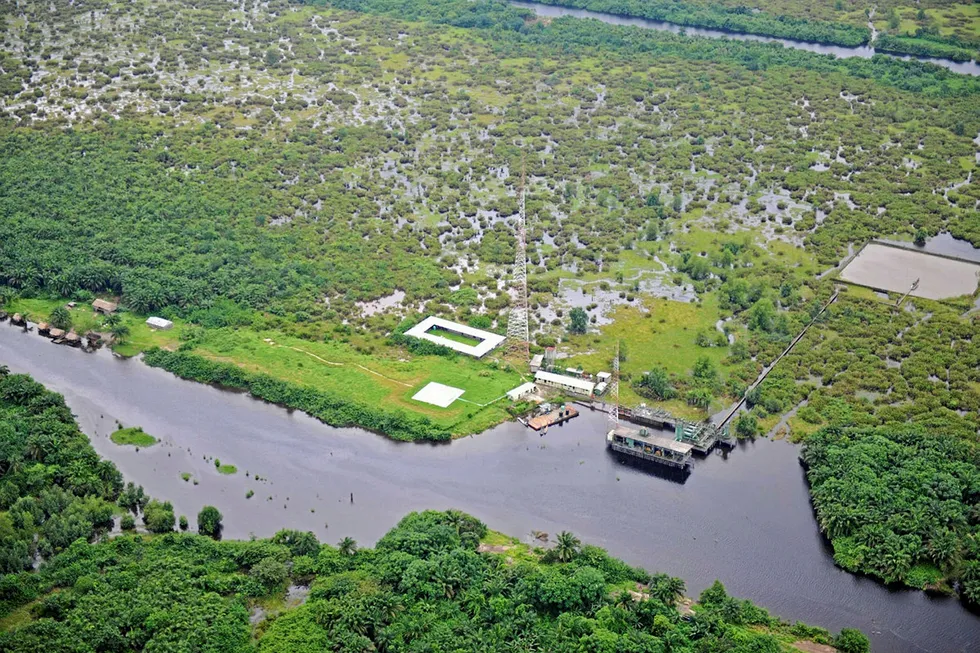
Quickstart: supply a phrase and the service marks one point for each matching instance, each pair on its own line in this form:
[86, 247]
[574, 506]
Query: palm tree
[455, 519]
[119, 332]
[347, 546]
[566, 546]
[668, 590]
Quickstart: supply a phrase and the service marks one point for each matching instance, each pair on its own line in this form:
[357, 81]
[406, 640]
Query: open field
[382, 379]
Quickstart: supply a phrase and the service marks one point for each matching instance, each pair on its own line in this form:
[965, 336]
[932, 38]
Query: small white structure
[603, 376]
[159, 323]
[522, 391]
[536, 361]
[600, 388]
[488, 341]
[438, 394]
[566, 383]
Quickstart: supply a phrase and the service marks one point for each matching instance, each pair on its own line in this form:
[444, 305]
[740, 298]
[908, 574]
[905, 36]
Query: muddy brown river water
[743, 518]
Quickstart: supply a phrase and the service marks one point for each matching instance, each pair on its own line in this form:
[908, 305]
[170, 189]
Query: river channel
[743, 518]
[865, 52]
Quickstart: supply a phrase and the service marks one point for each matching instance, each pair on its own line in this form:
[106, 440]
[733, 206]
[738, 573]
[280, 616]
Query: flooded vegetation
[266, 197]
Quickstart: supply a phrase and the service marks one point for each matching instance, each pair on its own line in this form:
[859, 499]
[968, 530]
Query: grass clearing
[227, 470]
[133, 436]
[461, 338]
[383, 377]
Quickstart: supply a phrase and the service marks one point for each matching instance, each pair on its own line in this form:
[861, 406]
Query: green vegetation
[899, 503]
[53, 487]
[294, 195]
[452, 335]
[333, 410]
[133, 436]
[730, 19]
[209, 522]
[226, 468]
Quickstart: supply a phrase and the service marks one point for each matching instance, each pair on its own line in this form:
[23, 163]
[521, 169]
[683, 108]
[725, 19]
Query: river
[865, 52]
[744, 518]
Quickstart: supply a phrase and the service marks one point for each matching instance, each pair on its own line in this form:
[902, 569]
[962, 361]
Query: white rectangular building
[159, 323]
[566, 383]
[488, 340]
[521, 391]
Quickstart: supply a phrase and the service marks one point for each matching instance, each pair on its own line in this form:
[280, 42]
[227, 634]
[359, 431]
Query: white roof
[568, 381]
[521, 390]
[438, 394]
[489, 340]
[603, 376]
[159, 322]
[537, 359]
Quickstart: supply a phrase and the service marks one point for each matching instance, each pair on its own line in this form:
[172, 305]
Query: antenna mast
[614, 391]
[518, 335]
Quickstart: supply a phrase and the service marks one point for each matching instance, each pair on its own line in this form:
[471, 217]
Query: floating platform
[648, 446]
[557, 416]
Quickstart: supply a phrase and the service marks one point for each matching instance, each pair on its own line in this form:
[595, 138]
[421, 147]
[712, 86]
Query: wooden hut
[73, 339]
[18, 319]
[43, 328]
[56, 334]
[104, 307]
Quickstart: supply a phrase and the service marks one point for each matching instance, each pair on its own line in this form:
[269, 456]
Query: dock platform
[557, 416]
[646, 445]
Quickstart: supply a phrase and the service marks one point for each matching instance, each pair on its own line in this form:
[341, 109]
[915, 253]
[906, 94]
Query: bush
[127, 523]
[159, 517]
[852, 641]
[209, 522]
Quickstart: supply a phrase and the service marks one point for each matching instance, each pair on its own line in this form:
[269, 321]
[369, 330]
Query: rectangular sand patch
[895, 269]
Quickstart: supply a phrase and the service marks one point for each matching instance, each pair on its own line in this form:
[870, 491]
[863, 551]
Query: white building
[487, 340]
[522, 391]
[565, 383]
[159, 323]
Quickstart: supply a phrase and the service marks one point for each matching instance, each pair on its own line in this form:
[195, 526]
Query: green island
[133, 436]
[437, 580]
[295, 185]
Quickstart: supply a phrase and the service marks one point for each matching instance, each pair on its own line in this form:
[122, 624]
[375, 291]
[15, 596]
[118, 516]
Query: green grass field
[133, 436]
[455, 337]
[383, 377]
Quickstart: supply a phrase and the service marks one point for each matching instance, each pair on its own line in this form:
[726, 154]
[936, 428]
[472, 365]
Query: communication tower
[518, 335]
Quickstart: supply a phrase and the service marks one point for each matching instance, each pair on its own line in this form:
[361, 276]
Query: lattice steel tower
[518, 335]
[613, 392]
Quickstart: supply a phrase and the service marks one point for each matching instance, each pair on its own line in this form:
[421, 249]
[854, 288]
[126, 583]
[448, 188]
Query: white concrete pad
[438, 394]
[895, 269]
[488, 340]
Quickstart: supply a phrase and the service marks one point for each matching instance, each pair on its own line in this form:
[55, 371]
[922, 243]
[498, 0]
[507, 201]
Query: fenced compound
[891, 268]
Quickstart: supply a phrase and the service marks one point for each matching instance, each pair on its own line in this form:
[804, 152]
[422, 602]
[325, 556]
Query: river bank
[840, 51]
[744, 519]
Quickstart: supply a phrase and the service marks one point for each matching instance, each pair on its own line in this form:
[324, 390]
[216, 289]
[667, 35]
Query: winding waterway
[744, 518]
[865, 52]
